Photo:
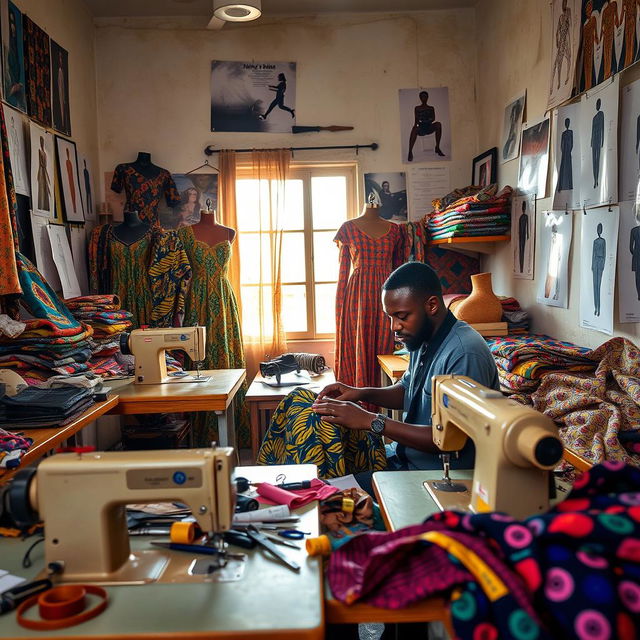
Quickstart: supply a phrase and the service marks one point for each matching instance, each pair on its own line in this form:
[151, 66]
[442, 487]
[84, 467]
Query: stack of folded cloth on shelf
[513, 314]
[487, 212]
[33, 407]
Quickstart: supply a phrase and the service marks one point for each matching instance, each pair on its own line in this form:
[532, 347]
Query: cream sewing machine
[82, 499]
[148, 347]
[517, 447]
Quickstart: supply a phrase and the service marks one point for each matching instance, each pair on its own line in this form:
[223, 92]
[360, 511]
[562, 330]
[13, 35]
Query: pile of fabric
[485, 213]
[12, 448]
[593, 395]
[573, 572]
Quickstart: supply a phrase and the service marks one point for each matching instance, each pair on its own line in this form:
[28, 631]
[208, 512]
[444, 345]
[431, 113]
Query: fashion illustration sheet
[566, 158]
[555, 244]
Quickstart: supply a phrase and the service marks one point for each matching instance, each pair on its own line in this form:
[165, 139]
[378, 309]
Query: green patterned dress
[211, 303]
[297, 435]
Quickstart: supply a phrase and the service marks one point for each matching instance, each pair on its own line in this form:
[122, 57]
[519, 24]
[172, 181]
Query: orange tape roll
[183, 532]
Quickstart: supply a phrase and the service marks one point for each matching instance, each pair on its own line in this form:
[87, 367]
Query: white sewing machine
[82, 499]
[148, 347]
[517, 447]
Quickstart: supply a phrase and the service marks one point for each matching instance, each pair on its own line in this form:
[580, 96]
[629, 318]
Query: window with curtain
[317, 200]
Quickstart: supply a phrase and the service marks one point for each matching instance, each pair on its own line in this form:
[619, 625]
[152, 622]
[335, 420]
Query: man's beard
[424, 335]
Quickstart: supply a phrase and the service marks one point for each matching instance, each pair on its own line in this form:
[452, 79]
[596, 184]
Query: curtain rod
[209, 151]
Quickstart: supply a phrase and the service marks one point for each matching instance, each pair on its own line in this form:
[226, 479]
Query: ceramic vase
[482, 305]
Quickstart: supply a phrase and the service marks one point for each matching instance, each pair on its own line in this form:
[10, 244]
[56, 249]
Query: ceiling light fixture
[243, 11]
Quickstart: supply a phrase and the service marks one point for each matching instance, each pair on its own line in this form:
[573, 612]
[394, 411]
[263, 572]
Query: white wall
[154, 83]
[514, 53]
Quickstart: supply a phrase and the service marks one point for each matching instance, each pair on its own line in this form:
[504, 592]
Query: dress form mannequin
[371, 223]
[209, 231]
[144, 165]
[131, 229]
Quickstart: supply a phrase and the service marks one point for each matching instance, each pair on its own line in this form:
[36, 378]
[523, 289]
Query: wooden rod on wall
[210, 150]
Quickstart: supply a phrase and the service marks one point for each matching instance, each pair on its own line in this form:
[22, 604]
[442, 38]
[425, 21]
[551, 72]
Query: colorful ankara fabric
[143, 193]
[37, 63]
[169, 276]
[297, 435]
[100, 259]
[211, 302]
[573, 572]
[362, 328]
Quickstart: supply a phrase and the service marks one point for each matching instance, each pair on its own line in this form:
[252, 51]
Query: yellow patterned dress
[211, 302]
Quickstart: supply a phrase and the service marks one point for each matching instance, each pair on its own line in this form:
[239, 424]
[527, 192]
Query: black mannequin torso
[144, 166]
[131, 229]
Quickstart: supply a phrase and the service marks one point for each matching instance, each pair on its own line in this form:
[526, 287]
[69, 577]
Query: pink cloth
[270, 494]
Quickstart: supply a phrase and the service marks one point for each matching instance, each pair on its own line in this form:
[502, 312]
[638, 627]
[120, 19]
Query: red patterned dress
[363, 331]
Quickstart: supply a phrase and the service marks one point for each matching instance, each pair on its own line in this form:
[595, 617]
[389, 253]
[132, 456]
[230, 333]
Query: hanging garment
[211, 302]
[362, 328]
[143, 193]
[297, 435]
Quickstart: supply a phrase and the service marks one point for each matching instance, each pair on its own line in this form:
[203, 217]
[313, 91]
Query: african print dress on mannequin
[212, 303]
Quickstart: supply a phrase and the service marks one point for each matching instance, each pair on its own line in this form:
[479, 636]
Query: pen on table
[294, 486]
[10, 599]
[191, 548]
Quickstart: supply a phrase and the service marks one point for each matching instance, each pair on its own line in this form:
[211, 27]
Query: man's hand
[340, 391]
[346, 414]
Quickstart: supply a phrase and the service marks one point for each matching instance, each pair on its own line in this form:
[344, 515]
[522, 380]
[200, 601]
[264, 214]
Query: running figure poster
[253, 96]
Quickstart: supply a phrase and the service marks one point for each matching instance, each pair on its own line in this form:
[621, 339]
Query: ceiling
[163, 8]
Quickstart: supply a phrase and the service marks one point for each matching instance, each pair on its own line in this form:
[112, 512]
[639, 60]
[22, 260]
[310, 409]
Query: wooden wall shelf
[479, 244]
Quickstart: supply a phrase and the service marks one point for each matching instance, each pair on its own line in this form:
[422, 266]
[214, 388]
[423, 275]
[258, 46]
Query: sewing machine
[517, 447]
[82, 499]
[148, 347]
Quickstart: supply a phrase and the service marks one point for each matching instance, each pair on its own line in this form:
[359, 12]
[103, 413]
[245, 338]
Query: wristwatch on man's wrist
[378, 424]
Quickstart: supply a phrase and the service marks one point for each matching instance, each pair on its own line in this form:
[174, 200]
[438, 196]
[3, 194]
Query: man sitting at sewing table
[438, 344]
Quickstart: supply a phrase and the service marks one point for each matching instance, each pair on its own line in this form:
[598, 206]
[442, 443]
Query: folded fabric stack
[486, 213]
[35, 407]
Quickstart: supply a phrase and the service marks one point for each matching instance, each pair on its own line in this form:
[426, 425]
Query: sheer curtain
[263, 330]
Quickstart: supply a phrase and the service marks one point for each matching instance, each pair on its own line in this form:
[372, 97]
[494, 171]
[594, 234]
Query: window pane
[256, 301]
[328, 201]
[325, 308]
[292, 260]
[294, 308]
[252, 199]
[325, 256]
[293, 216]
[251, 257]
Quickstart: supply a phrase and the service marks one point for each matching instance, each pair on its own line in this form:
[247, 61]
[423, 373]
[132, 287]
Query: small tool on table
[263, 541]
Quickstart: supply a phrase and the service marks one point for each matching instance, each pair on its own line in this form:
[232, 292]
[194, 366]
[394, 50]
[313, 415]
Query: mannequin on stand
[144, 166]
[131, 229]
[371, 223]
[209, 231]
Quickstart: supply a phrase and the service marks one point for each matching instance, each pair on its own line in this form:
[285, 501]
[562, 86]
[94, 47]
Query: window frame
[305, 172]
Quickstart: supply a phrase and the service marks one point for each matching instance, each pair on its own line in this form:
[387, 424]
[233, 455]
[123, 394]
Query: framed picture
[68, 173]
[484, 170]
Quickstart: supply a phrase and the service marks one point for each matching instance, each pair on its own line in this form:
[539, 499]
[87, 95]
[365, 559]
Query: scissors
[293, 534]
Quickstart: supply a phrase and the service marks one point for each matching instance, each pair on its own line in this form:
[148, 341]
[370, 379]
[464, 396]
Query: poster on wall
[60, 89]
[86, 187]
[62, 258]
[511, 127]
[69, 181]
[37, 72]
[389, 192]
[253, 96]
[523, 235]
[425, 185]
[565, 25]
[555, 245]
[42, 251]
[17, 150]
[534, 158]
[197, 191]
[78, 241]
[629, 263]
[12, 56]
[42, 167]
[609, 39]
[425, 125]
[599, 145]
[629, 140]
[598, 249]
[566, 158]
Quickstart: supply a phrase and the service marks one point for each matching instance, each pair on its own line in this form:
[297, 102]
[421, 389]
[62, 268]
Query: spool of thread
[183, 532]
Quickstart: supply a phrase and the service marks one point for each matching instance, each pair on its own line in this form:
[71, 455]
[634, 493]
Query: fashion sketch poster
[629, 140]
[555, 244]
[534, 158]
[69, 181]
[253, 96]
[598, 250]
[85, 176]
[523, 235]
[60, 89]
[629, 262]
[17, 150]
[42, 168]
[599, 145]
[12, 56]
[389, 192]
[37, 72]
[565, 38]
[198, 191]
[511, 128]
[566, 158]
[425, 125]
[61, 252]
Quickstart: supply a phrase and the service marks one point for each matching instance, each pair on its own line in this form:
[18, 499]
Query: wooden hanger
[207, 164]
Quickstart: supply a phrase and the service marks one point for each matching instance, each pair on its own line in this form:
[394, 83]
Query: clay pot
[482, 305]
